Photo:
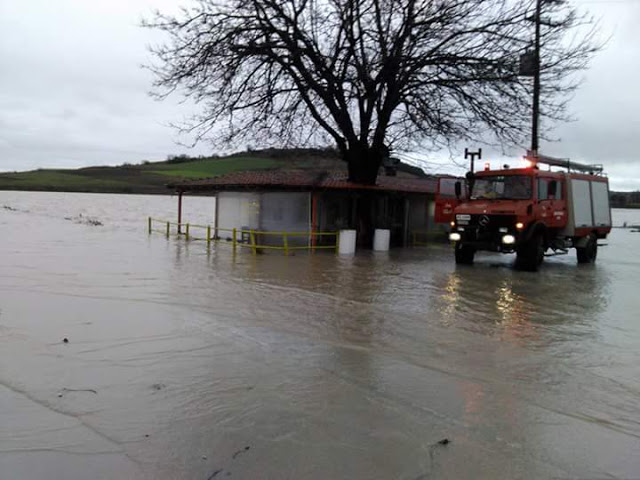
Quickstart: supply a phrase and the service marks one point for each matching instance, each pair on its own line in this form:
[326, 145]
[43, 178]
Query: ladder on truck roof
[564, 163]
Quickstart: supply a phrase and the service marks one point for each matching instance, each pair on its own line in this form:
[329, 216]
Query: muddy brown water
[184, 363]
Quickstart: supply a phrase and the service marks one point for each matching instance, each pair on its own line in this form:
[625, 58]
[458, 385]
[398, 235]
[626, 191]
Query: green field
[150, 177]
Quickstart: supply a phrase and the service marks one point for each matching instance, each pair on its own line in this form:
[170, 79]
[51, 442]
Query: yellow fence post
[186, 232]
[208, 235]
[149, 225]
[235, 240]
[252, 235]
[168, 229]
[286, 243]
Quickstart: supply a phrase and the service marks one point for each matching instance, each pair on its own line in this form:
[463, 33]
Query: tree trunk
[363, 164]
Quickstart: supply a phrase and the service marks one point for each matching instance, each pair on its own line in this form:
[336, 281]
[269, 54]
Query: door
[551, 202]
[446, 200]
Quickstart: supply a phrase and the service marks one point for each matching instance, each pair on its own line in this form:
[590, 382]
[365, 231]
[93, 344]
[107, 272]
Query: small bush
[182, 158]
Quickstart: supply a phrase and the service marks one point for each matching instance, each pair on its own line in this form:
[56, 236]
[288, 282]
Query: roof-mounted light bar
[563, 163]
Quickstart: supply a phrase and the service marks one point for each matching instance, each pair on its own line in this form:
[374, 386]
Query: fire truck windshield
[513, 187]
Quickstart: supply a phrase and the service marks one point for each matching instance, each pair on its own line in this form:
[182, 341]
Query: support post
[186, 232]
[149, 225]
[405, 233]
[337, 241]
[208, 235]
[234, 240]
[168, 229]
[216, 236]
[252, 236]
[286, 243]
[314, 220]
[179, 212]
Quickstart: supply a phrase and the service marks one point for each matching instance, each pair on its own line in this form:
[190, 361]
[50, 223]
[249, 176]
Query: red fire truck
[529, 211]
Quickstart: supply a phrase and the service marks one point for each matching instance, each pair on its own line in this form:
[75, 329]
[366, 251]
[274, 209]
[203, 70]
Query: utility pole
[536, 83]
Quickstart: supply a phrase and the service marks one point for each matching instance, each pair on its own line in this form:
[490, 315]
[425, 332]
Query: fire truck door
[551, 202]
[446, 200]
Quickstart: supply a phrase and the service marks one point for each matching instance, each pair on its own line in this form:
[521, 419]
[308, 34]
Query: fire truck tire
[589, 252]
[529, 256]
[464, 254]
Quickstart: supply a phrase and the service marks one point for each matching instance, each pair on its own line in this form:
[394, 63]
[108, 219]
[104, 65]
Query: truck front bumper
[505, 242]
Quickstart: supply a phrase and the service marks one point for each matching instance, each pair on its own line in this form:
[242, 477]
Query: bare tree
[367, 75]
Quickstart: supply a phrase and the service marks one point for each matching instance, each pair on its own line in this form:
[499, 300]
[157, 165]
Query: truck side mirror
[458, 188]
[471, 179]
[553, 188]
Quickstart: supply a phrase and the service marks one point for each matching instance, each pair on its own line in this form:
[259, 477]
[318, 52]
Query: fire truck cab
[529, 211]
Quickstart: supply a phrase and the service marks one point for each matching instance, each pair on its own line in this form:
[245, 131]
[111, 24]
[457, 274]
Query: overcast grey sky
[72, 92]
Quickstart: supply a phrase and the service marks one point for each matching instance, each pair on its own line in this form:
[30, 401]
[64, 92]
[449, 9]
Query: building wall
[433, 227]
[285, 212]
[422, 225]
[238, 210]
[418, 212]
[291, 212]
[333, 211]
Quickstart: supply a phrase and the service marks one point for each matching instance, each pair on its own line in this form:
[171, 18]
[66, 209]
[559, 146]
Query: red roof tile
[303, 180]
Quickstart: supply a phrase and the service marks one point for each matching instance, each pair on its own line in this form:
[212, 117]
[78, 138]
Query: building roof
[303, 180]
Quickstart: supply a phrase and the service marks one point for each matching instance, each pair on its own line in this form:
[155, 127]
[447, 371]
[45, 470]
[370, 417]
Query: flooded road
[184, 363]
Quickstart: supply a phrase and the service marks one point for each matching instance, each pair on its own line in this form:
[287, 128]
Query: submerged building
[321, 201]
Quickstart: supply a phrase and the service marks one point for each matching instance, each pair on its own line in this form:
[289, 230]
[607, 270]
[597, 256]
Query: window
[545, 188]
[512, 187]
[448, 187]
[559, 187]
[542, 189]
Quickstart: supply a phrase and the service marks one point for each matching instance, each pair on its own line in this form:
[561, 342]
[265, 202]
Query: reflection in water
[514, 316]
[451, 299]
[504, 301]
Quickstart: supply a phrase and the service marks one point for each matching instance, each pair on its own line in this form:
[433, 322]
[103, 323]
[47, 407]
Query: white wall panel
[601, 212]
[581, 203]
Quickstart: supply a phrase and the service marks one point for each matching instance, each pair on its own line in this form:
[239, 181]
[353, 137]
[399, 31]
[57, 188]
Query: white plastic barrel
[381, 238]
[347, 243]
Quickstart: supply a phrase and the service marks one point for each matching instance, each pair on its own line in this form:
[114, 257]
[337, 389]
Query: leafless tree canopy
[367, 75]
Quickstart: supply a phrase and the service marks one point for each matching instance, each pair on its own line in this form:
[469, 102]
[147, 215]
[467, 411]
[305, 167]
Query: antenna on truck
[472, 156]
[564, 163]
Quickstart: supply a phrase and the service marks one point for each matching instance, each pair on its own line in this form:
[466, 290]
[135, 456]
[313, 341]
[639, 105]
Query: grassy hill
[152, 177]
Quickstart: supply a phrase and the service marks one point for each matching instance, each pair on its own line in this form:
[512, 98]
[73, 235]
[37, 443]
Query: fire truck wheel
[464, 254]
[589, 252]
[530, 255]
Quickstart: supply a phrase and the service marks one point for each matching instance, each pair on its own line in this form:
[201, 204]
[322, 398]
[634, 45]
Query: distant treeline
[625, 199]
[278, 153]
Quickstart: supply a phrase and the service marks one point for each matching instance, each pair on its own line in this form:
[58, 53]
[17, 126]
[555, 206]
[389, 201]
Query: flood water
[196, 364]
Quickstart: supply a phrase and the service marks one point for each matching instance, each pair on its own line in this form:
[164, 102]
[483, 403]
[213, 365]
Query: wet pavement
[188, 363]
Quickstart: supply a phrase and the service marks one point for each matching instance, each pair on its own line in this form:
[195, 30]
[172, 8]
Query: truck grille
[485, 228]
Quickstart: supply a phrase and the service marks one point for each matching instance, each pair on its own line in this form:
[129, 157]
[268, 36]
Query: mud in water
[186, 363]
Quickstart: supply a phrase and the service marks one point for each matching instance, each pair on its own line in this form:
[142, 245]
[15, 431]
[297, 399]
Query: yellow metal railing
[244, 238]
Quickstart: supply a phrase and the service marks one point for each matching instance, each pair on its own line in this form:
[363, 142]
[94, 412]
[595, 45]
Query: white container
[347, 243]
[381, 239]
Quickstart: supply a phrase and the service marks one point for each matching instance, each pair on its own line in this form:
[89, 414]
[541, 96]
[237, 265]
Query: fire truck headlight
[454, 237]
[519, 225]
[508, 239]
